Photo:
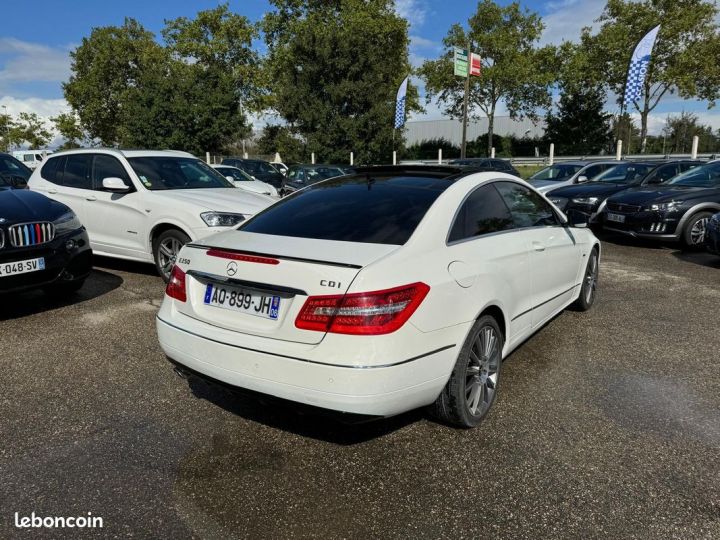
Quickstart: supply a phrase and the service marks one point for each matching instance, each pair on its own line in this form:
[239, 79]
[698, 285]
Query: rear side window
[528, 209]
[52, 170]
[77, 171]
[483, 212]
[378, 210]
[105, 166]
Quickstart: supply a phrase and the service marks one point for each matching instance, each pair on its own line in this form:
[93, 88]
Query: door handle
[53, 191]
[537, 246]
[91, 198]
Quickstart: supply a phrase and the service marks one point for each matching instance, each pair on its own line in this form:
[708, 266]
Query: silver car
[568, 173]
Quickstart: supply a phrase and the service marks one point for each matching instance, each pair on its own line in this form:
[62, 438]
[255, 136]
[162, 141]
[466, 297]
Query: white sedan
[244, 181]
[380, 292]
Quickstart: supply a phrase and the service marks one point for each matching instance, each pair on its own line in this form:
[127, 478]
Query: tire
[63, 290]
[693, 234]
[588, 291]
[166, 247]
[473, 385]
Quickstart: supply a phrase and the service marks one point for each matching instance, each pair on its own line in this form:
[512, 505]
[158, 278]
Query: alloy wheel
[697, 232]
[591, 278]
[168, 250]
[481, 376]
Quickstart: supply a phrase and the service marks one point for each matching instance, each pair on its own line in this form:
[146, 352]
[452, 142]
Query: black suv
[678, 210]
[589, 198]
[42, 244]
[485, 164]
[300, 176]
[13, 173]
[258, 169]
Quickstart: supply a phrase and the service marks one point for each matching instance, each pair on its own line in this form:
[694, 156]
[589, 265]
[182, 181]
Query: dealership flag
[400, 104]
[639, 66]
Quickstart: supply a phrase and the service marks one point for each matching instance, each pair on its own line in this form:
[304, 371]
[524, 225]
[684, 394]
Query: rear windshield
[378, 210]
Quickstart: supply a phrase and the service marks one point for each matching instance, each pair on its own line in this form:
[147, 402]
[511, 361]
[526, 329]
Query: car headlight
[66, 223]
[671, 206]
[586, 200]
[221, 219]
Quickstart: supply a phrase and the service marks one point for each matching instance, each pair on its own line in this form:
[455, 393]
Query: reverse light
[176, 286]
[369, 313]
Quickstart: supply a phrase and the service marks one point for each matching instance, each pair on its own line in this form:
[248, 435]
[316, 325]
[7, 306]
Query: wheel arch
[496, 312]
[163, 226]
[701, 207]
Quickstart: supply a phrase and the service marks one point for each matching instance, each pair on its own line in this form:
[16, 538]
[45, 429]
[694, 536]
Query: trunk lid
[291, 269]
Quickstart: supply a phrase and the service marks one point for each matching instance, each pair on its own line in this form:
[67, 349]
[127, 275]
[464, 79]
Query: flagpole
[465, 103]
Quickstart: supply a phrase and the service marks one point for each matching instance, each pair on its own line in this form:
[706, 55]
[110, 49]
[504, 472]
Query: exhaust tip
[180, 373]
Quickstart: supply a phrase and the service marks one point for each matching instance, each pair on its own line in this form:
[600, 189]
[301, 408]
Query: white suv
[144, 205]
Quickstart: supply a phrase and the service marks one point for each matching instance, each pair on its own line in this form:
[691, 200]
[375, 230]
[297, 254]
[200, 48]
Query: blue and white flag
[400, 104]
[639, 66]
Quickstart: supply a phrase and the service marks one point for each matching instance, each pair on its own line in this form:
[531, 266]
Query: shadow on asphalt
[306, 421]
[630, 241]
[15, 306]
[700, 258]
[121, 265]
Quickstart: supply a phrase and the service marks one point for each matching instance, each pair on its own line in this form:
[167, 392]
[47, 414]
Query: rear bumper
[377, 391]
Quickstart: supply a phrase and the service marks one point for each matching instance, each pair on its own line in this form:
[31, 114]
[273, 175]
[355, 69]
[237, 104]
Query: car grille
[620, 207]
[31, 234]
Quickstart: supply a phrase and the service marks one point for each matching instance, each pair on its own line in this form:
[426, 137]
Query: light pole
[7, 128]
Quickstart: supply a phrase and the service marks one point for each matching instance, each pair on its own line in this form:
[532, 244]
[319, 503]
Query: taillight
[370, 313]
[176, 286]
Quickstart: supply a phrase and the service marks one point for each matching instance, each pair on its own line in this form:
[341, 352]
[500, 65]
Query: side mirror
[229, 178]
[576, 218]
[582, 179]
[115, 184]
[18, 182]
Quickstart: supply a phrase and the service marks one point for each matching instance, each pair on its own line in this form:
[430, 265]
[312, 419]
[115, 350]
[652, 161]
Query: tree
[68, 125]
[277, 138]
[680, 131]
[623, 127]
[581, 126]
[428, 149]
[31, 129]
[683, 57]
[333, 70]
[190, 93]
[514, 70]
[6, 125]
[107, 67]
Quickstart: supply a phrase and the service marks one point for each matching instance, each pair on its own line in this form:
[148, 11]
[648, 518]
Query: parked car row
[369, 291]
[660, 200]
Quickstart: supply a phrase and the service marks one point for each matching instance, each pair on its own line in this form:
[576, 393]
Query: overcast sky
[35, 41]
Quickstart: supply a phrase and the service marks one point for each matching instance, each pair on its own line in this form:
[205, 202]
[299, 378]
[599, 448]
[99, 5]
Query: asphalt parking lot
[607, 424]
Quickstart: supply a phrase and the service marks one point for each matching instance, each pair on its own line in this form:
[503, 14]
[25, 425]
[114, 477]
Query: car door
[117, 220]
[554, 254]
[488, 253]
[69, 182]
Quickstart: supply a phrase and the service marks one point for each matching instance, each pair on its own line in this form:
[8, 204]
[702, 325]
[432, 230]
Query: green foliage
[68, 125]
[514, 69]
[678, 135]
[333, 71]
[27, 128]
[581, 126]
[683, 60]
[277, 138]
[187, 93]
[428, 149]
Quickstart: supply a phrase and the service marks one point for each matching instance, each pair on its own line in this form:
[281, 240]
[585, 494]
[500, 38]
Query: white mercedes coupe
[379, 292]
